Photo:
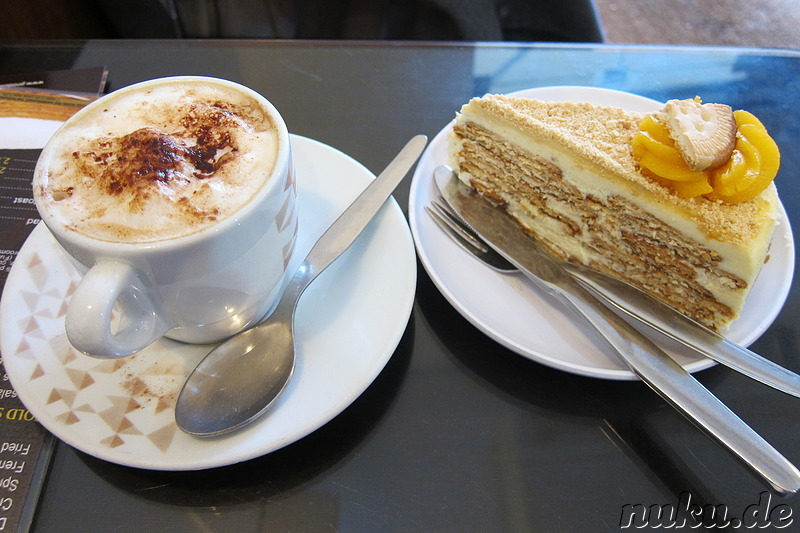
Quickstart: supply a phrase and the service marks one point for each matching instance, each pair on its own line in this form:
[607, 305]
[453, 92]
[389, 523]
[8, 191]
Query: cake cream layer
[565, 171]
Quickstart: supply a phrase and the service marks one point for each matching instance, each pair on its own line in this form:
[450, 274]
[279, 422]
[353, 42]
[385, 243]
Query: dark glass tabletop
[457, 433]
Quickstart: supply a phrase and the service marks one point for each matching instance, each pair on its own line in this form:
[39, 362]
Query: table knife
[645, 359]
[658, 319]
[666, 325]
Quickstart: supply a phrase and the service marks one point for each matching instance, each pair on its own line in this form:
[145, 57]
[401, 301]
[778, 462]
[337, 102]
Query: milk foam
[162, 162]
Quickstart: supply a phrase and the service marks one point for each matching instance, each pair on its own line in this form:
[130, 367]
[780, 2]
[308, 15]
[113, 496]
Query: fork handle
[680, 389]
[660, 320]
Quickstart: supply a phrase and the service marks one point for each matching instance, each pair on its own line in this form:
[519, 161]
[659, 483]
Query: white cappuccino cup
[176, 200]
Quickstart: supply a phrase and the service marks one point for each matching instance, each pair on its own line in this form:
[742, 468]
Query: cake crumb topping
[602, 137]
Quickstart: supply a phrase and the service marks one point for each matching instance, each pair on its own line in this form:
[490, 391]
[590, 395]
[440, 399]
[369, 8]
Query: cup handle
[88, 319]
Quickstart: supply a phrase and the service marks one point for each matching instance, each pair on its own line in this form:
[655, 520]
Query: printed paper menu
[25, 445]
[29, 116]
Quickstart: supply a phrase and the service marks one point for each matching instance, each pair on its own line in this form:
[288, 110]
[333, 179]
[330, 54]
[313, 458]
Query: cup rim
[283, 165]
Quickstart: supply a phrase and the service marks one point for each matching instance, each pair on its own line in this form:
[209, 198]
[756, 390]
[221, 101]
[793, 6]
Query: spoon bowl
[241, 378]
[214, 388]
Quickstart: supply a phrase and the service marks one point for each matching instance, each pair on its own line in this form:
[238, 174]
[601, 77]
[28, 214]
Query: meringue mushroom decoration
[707, 150]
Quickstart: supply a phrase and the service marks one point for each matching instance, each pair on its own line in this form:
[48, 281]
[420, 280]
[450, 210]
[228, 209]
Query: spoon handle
[343, 232]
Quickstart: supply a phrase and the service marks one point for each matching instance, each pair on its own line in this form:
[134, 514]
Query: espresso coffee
[159, 163]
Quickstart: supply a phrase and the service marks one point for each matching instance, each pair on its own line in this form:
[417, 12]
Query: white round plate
[348, 324]
[19, 132]
[512, 312]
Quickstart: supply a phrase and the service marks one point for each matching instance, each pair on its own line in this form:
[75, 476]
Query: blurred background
[759, 23]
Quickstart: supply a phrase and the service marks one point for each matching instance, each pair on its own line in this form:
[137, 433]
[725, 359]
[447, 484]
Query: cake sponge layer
[566, 173]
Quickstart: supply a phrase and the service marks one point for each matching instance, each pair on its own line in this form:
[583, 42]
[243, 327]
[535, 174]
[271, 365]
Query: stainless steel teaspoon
[239, 379]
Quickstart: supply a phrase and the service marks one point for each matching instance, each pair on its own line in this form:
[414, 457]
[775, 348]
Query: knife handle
[661, 321]
[680, 389]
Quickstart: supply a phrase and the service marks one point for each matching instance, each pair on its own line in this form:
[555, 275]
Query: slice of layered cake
[679, 202]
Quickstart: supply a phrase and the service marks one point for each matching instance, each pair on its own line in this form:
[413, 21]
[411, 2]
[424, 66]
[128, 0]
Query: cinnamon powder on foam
[175, 164]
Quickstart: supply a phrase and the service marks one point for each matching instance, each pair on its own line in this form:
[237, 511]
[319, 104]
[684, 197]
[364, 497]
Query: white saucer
[348, 325]
[512, 312]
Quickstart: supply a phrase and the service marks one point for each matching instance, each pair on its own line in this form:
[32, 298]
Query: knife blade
[645, 359]
[666, 325]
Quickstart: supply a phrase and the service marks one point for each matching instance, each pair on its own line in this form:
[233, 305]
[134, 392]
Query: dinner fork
[644, 358]
[466, 238]
[653, 318]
